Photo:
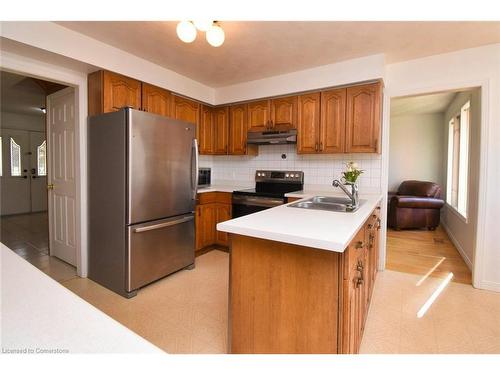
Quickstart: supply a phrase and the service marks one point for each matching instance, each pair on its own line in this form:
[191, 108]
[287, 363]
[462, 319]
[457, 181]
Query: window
[458, 161]
[41, 159]
[15, 158]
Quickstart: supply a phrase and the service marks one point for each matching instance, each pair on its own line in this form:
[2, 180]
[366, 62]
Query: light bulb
[215, 35]
[203, 25]
[186, 31]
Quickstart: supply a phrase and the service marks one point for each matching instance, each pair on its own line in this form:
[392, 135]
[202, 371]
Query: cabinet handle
[359, 245]
[321, 146]
[316, 147]
[359, 266]
[359, 282]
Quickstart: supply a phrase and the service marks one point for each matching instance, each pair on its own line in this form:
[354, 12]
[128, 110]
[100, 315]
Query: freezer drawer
[158, 248]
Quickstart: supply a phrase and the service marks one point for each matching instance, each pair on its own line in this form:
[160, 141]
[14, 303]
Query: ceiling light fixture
[215, 35]
[186, 31]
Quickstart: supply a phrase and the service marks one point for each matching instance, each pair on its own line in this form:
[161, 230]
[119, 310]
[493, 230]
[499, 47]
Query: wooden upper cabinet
[363, 118]
[284, 113]
[221, 125]
[156, 100]
[109, 92]
[120, 91]
[258, 116]
[308, 124]
[332, 138]
[206, 131]
[238, 129]
[186, 110]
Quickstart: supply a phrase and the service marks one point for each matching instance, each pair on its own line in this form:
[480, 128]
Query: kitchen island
[301, 280]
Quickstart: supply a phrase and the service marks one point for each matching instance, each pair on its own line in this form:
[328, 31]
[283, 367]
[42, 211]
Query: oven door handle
[258, 201]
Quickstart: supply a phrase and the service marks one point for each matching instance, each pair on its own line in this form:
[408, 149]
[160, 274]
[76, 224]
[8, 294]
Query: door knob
[50, 186]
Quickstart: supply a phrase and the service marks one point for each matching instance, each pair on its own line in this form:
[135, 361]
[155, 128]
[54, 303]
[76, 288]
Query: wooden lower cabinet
[212, 208]
[286, 298]
[360, 269]
[223, 214]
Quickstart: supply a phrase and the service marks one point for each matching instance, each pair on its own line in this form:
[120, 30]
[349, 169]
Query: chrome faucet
[353, 195]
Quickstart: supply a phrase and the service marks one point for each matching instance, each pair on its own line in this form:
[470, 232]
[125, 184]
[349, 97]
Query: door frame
[485, 93]
[78, 80]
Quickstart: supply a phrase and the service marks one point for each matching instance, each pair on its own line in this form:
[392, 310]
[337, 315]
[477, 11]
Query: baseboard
[461, 251]
[490, 285]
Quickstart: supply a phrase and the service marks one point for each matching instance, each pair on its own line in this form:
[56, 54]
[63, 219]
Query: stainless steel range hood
[272, 137]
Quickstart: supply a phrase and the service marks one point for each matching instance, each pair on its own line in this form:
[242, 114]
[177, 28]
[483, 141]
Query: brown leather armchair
[416, 204]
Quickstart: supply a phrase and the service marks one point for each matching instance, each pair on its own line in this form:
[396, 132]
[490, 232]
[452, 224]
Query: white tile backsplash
[319, 170]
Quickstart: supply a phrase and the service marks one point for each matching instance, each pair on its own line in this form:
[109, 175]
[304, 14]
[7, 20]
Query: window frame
[460, 156]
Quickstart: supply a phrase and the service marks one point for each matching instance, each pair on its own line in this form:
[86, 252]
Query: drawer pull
[359, 245]
[163, 225]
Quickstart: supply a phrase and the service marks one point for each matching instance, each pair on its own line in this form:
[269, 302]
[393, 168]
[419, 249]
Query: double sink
[336, 204]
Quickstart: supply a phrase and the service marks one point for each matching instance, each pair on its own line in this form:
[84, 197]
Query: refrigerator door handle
[194, 175]
[163, 225]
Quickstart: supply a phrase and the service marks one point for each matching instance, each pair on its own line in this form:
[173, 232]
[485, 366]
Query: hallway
[424, 252]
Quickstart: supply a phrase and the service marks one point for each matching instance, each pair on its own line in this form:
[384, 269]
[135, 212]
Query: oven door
[246, 205]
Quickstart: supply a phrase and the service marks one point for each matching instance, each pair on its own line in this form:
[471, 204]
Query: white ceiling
[255, 50]
[423, 104]
[20, 94]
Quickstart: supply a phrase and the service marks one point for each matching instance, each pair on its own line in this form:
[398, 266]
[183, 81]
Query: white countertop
[312, 228]
[39, 313]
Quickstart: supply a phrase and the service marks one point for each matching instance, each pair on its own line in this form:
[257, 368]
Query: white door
[61, 174]
[38, 171]
[14, 180]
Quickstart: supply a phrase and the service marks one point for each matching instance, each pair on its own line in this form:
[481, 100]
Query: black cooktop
[274, 184]
[273, 192]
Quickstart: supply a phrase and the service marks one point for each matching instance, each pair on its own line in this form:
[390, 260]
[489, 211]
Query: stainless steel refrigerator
[142, 180]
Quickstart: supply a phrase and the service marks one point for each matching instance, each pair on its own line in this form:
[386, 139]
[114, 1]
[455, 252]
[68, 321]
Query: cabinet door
[258, 116]
[206, 133]
[308, 123]
[156, 100]
[223, 214]
[187, 110]
[284, 113]
[206, 215]
[363, 118]
[120, 91]
[221, 124]
[332, 137]
[238, 129]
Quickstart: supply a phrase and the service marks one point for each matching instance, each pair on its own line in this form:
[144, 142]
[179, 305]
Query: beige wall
[416, 149]
[463, 232]
[20, 121]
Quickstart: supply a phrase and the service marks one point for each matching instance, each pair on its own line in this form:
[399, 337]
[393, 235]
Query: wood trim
[95, 95]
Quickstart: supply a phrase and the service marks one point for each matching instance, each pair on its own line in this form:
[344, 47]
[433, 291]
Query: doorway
[434, 159]
[25, 171]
